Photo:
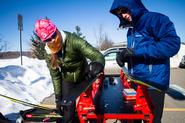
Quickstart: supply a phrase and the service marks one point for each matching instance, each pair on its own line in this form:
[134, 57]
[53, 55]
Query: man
[66, 56]
[151, 40]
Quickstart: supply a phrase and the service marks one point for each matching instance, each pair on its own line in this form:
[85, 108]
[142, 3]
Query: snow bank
[30, 82]
[175, 60]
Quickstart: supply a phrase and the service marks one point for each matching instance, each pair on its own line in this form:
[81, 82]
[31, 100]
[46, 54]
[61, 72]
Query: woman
[66, 56]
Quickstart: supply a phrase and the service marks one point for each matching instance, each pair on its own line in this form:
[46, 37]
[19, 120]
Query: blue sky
[66, 14]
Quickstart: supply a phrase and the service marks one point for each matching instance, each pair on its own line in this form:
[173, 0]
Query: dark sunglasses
[52, 37]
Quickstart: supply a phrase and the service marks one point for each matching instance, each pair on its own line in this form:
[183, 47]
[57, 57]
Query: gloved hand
[93, 69]
[59, 107]
[125, 56]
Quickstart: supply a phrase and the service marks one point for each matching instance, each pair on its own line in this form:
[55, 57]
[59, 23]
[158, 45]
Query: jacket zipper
[132, 46]
[74, 77]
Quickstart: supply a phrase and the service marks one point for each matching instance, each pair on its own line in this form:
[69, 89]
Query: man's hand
[124, 56]
[93, 69]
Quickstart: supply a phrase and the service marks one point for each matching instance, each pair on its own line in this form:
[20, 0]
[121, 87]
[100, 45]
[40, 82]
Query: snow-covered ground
[30, 82]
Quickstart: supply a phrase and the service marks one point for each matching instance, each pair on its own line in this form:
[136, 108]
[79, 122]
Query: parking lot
[174, 111]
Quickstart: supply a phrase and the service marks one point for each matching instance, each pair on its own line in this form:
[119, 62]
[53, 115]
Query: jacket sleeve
[56, 76]
[166, 44]
[89, 51]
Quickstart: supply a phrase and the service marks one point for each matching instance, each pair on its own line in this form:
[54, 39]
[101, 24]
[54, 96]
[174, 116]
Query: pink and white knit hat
[44, 28]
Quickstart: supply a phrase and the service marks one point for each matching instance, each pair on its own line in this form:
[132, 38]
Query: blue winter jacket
[153, 39]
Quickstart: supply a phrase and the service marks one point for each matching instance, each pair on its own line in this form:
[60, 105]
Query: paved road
[174, 111]
[175, 102]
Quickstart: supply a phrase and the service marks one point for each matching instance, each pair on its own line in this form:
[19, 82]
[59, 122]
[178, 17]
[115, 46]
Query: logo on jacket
[138, 35]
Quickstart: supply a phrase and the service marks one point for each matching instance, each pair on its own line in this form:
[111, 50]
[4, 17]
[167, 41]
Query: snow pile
[30, 82]
[175, 60]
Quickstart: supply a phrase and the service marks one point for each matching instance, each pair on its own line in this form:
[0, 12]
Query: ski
[43, 116]
[125, 71]
[40, 115]
[82, 87]
[25, 103]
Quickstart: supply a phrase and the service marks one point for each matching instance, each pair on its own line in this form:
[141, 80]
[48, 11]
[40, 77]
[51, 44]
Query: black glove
[58, 100]
[93, 69]
[125, 56]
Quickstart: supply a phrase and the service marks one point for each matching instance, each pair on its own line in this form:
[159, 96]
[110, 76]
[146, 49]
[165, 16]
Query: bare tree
[98, 36]
[1, 47]
[106, 43]
[3, 44]
[102, 39]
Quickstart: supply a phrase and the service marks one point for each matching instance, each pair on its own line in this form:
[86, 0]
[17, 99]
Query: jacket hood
[134, 6]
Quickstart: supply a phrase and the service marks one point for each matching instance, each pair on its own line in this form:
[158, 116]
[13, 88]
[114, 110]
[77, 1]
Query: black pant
[158, 102]
[69, 111]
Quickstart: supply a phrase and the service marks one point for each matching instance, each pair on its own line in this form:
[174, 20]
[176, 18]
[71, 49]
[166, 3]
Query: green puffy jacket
[72, 60]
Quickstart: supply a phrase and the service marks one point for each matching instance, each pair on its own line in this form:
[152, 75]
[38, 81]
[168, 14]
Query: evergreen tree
[37, 47]
[77, 32]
